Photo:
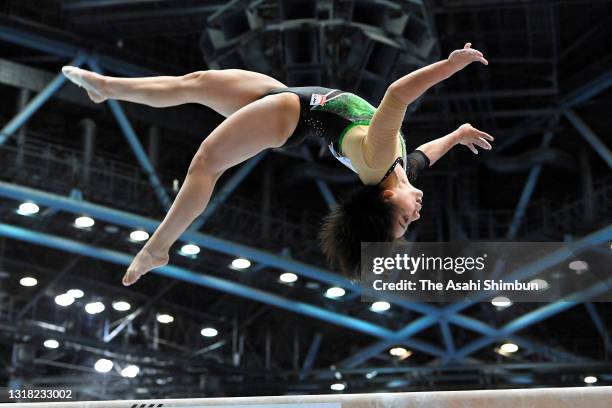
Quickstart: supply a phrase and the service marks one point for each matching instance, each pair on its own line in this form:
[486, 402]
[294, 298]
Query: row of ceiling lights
[401, 353]
[84, 222]
[131, 371]
[29, 209]
[501, 302]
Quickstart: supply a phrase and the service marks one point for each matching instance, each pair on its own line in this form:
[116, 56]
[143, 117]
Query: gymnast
[263, 113]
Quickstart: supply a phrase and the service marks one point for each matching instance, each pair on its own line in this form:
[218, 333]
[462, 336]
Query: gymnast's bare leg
[225, 91]
[252, 125]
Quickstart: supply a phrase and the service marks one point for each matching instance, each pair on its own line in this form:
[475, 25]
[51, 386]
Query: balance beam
[582, 397]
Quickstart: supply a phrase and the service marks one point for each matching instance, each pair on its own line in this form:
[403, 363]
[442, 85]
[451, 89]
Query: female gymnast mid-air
[263, 113]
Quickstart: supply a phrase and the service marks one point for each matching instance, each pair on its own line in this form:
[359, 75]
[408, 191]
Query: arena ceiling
[549, 74]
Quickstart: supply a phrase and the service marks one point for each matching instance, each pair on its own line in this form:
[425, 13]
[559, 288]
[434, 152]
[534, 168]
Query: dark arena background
[249, 305]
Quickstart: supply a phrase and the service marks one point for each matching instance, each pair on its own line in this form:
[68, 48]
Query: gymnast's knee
[199, 79]
[204, 164]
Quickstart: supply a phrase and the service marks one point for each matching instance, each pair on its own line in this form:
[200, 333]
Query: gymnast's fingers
[485, 135]
[482, 143]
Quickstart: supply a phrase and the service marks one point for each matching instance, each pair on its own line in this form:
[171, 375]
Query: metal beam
[595, 238]
[313, 350]
[528, 189]
[40, 99]
[130, 318]
[401, 337]
[65, 49]
[538, 315]
[227, 189]
[589, 136]
[588, 90]
[139, 151]
[47, 45]
[63, 244]
[328, 196]
[204, 240]
[326, 192]
[528, 344]
[44, 290]
[447, 336]
[451, 312]
[91, 4]
[599, 324]
[188, 119]
[505, 93]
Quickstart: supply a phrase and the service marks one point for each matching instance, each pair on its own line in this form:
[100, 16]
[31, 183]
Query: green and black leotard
[342, 119]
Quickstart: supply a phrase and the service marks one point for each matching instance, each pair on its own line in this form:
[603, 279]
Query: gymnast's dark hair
[362, 216]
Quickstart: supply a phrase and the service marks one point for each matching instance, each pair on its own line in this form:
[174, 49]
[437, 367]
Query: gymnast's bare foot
[92, 82]
[143, 262]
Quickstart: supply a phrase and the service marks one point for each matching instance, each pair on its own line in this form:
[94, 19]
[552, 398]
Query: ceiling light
[139, 235]
[578, 266]
[190, 249]
[95, 308]
[51, 344]
[64, 300]
[28, 281]
[103, 365]
[501, 302]
[509, 348]
[371, 374]
[400, 352]
[241, 263]
[28, 209]
[121, 306]
[130, 371]
[84, 222]
[335, 292]
[76, 293]
[338, 387]
[165, 318]
[288, 277]
[542, 284]
[209, 332]
[590, 379]
[380, 306]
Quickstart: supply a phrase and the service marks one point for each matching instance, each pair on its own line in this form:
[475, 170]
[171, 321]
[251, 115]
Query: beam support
[139, 151]
[130, 318]
[589, 136]
[34, 105]
[538, 315]
[126, 219]
[401, 337]
[209, 281]
[65, 49]
[227, 189]
[599, 324]
[324, 189]
[532, 179]
[588, 90]
[313, 350]
[452, 312]
[447, 336]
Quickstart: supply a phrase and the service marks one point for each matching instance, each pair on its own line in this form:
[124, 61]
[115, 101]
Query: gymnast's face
[405, 199]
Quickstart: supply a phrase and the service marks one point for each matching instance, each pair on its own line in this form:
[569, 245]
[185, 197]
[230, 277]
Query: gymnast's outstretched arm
[379, 144]
[465, 135]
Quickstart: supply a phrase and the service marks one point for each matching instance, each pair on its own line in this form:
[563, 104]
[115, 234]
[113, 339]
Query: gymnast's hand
[470, 136]
[465, 56]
